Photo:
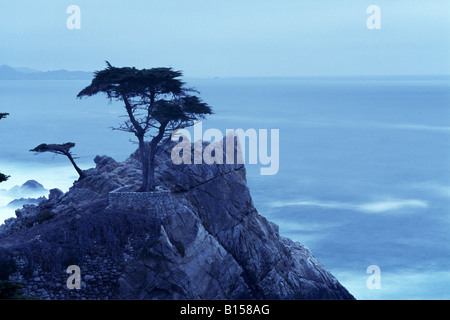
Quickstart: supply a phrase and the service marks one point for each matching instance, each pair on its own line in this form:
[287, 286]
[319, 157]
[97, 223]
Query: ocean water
[364, 176]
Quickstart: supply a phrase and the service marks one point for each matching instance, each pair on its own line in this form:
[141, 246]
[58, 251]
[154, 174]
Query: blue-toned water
[364, 175]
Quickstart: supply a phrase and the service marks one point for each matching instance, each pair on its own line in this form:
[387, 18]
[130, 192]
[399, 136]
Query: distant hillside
[10, 73]
[31, 188]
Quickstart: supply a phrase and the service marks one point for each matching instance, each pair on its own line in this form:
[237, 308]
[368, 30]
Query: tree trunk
[144, 155]
[80, 172]
[148, 167]
[147, 152]
[151, 169]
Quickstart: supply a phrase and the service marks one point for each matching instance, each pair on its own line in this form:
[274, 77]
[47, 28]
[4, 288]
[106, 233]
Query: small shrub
[7, 267]
[12, 290]
[44, 216]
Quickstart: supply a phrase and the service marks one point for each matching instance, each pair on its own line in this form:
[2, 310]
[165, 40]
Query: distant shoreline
[10, 73]
[23, 73]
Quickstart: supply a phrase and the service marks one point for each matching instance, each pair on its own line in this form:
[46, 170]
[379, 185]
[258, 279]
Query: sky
[233, 38]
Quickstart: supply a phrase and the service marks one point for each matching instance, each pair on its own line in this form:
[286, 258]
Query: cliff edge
[198, 236]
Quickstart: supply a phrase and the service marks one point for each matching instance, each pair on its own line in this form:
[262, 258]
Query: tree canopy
[153, 98]
[3, 177]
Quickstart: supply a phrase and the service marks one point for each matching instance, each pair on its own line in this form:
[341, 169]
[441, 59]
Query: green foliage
[11, 290]
[130, 81]
[3, 177]
[45, 216]
[151, 96]
[7, 267]
[63, 149]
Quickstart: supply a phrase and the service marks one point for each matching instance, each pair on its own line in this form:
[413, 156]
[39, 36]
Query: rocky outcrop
[22, 201]
[206, 241]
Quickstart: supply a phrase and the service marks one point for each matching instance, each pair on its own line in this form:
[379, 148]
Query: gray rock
[206, 240]
[103, 161]
[22, 201]
[89, 278]
[55, 194]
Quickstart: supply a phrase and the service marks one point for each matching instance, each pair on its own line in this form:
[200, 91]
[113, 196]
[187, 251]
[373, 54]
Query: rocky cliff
[205, 240]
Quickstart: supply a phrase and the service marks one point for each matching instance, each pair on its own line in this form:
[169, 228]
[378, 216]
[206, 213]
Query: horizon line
[223, 77]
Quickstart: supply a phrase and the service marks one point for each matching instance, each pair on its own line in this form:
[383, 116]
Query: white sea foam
[369, 207]
[50, 176]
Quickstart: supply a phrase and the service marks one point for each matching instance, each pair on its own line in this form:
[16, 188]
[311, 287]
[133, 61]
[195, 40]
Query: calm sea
[364, 175]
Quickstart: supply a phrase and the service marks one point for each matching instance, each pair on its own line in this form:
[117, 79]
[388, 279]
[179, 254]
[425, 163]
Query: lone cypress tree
[156, 102]
[3, 177]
